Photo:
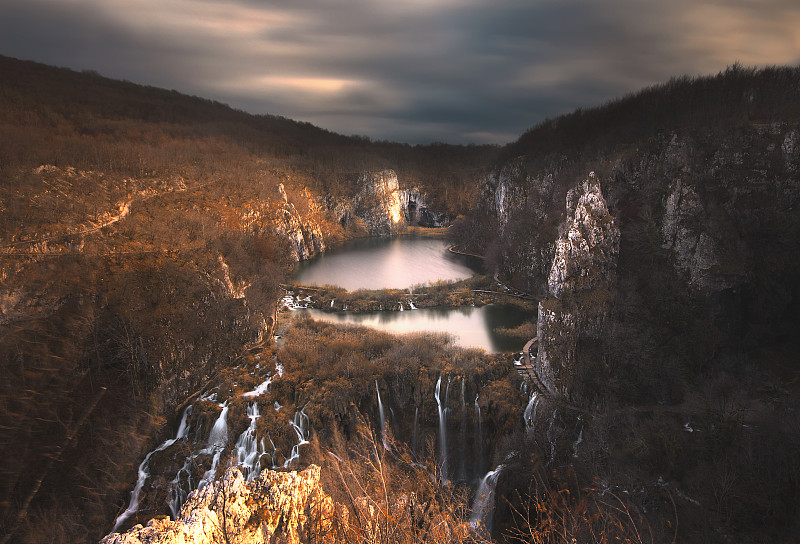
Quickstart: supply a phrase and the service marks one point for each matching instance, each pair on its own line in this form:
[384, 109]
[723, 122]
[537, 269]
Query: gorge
[148, 239]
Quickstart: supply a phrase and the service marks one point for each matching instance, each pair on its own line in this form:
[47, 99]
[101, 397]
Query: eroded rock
[276, 507]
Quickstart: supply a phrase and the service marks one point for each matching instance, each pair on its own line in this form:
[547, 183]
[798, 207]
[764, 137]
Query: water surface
[386, 263]
[471, 327]
[400, 263]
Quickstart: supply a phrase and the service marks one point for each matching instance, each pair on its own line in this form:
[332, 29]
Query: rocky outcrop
[417, 212]
[377, 205]
[586, 252]
[284, 507]
[303, 232]
[579, 285]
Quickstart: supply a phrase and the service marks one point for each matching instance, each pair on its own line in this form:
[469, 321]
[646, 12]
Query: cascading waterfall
[260, 390]
[462, 464]
[248, 448]
[530, 411]
[144, 470]
[483, 507]
[217, 439]
[381, 416]
[219, 432]
[479, 441]
[442, 426]
[300, 425]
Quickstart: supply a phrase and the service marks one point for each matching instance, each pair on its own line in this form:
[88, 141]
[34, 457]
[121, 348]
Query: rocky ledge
[285, 507]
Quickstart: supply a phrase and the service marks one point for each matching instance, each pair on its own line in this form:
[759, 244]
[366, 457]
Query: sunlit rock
[275, 507]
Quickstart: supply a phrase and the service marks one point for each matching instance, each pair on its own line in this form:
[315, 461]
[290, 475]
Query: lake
[401, 263]
[387, 263]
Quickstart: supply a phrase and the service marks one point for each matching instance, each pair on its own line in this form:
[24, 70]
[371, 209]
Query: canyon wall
[708, 226]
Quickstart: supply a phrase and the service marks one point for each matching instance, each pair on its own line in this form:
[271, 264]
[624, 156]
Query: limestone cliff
[586, 252]
[378, 206]
[285, 507]
[303, 231]
[581, 276]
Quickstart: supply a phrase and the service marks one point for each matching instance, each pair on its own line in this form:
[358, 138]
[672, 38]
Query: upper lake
[386, 263]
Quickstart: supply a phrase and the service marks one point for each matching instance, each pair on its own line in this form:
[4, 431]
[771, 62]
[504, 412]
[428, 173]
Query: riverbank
[475, 291]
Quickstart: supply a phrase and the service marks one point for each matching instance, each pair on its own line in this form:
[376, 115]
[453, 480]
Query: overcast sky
[410, 70]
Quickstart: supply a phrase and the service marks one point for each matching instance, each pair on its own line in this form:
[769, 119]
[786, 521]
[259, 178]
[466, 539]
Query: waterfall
[217, 439]
[248, 449]
[462, 464]
[300, 425]
[411, 305]
[530, 411]
[483, 507]
[260, 390]
[381, 416]
[144, 470]
[219, 432]
[479, 441]
[442, 426]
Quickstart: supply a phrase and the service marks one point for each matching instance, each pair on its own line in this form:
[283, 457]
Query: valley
[158, 351]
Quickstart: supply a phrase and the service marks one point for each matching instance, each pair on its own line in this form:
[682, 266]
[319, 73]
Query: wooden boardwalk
[527, 370]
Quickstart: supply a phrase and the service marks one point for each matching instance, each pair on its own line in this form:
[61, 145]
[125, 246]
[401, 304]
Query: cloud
[420, 70]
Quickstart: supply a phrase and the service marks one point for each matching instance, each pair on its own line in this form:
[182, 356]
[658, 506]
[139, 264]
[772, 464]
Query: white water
[442, 427]
[219, 432]
[530, 411]
[381, 416]
[462, 458]
[144, 471]
[248, 449]
[301, 428]
[260, 390]
[479, 441]
[483, 507]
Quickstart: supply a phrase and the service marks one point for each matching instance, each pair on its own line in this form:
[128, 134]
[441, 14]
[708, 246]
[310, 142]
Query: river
[402, 263]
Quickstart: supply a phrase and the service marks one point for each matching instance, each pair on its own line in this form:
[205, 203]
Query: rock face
[579, 284]
[704, 249]
[417, 212]
[586, 253]
[378, 207]
[303, 232]
[276, 507]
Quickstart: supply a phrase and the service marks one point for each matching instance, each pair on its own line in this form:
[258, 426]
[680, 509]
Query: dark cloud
[418, 70]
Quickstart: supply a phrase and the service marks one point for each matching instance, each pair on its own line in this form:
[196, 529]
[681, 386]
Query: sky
[417, 71]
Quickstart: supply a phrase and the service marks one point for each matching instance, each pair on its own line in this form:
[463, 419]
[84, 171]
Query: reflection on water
[399, 263]
[469, 326]
[386, 263]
